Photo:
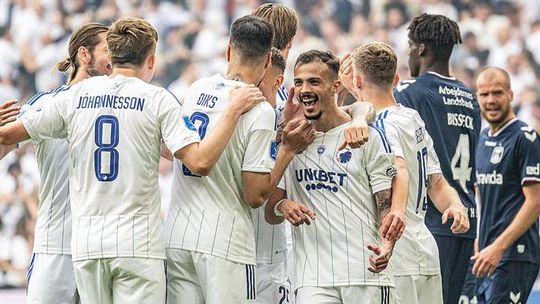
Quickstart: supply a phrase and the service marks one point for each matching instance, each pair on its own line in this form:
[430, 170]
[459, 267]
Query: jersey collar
[508, 123]
[441, 76]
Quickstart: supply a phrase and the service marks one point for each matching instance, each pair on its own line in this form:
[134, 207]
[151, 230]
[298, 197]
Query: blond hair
[284, 20]
[131, 41]
[377, 61]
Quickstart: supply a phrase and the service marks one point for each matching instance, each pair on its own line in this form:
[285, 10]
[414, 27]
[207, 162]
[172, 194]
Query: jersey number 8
[106, 139]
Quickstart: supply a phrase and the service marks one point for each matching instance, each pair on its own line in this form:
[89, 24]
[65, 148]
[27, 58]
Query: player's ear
[83, 55]
[279, 81]
[228, 53]
[337, 85]
[151, 61]
[357, 81]
[396, 80]
[422, 49]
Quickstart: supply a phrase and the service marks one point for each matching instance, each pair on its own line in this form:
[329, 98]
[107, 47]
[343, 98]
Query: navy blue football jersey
[452, 117]
[504, 162]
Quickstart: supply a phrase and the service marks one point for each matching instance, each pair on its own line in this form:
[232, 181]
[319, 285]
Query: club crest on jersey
[344, 156]
[497, 155]
[273, 150]
[188, 123]
[321, 149]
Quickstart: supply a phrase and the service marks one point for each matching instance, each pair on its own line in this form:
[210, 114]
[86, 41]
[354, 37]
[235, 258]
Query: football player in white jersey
[415, 263]
[272, 255]
[50, 274]
[114, 126]
[273, 283]
[209, 234]
[349, 193]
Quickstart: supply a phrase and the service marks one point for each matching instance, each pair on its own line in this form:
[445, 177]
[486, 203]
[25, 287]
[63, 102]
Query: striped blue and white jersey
[53, 225]
[209, 214]
[339, 186]
[114, 127]
[271, 240]
[416, 251]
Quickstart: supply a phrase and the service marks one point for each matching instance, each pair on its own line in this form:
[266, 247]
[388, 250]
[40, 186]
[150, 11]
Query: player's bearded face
[313, 88]
[495, 101]
[99, 61]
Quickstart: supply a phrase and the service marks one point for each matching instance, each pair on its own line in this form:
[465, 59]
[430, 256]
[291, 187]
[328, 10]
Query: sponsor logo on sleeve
[273, 150]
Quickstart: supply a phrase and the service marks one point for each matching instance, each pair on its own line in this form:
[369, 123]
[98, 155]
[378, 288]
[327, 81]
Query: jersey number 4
[106, 156]
[203, 119]
[460, 162]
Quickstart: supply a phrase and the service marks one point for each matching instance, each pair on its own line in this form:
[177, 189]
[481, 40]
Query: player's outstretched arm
[447, 201]
[13, 133]
[201, 157]
[487, 260]
[393, 224]
[257, 187]
[383, 252]
[8, 113]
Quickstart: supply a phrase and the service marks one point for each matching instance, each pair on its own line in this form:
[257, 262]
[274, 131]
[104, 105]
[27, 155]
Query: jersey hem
[42, 250]
[120, 255]
[347, 284]
[222, 256]
[257, 169]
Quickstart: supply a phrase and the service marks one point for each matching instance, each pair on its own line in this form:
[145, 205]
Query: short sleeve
[379, 161]
[49, 120]
[433, 165]
[529, 156]
[393, 140]
[177, 130]
[261, 150]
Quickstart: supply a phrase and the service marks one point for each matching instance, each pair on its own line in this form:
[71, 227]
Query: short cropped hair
[377, 61]
[324, 57]
[131, 41]
[251, 38]
[284, 20]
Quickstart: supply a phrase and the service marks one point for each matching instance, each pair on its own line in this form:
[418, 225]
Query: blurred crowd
[193, 37]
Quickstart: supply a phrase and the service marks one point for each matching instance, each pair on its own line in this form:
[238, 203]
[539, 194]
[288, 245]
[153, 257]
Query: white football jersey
[114, 127]
[339, 186]
[271, 240]
[416, 251]
[209, 214]
[53, 225]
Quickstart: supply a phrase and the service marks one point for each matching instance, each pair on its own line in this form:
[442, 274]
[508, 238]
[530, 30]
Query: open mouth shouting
[310, 104]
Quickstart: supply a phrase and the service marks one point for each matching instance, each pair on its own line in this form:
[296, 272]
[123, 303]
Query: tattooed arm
[383, 252]
[447, 201]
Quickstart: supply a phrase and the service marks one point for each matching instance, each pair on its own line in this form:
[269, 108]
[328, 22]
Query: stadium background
[192, 39]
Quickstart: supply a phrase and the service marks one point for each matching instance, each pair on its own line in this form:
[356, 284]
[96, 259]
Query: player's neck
[494, 127]
[127, 72]
[380, 98]
[245, 74]
[80, 76]
[330, 119]
[440, 68]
